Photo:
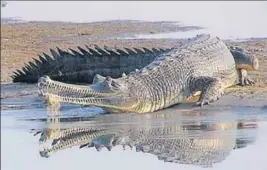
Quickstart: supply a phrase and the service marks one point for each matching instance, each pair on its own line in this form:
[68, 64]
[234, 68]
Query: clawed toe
[202, 103]
[245, 79]
[247, 82]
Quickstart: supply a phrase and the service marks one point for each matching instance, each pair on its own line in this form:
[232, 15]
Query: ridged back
[81, 66]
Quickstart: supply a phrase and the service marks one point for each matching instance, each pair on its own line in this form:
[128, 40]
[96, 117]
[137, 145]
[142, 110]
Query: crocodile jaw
[46, 86]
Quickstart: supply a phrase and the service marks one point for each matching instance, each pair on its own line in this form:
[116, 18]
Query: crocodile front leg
[211, 89]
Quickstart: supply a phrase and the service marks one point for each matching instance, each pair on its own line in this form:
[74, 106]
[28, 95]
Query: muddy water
[242, 145]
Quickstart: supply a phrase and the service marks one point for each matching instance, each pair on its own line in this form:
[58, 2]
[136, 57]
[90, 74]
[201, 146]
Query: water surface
[235, 137]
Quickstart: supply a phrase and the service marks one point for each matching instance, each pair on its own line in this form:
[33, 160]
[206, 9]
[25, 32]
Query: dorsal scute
[204, 43]
[200, 44]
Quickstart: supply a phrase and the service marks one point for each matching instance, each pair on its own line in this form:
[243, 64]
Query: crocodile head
[109, 94]
[244, 59]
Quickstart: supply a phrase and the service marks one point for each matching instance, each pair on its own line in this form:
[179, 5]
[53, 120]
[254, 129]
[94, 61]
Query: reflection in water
[184, 138]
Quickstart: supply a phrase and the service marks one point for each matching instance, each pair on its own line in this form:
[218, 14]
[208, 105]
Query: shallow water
[21, 146]
[227, 135]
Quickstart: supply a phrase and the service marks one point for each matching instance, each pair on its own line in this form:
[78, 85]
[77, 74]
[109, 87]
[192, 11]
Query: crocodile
[202, 64]
[174, 140]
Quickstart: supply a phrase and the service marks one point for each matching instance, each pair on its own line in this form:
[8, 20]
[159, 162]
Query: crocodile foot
[245, 79]
[211, 92]
[207, 101]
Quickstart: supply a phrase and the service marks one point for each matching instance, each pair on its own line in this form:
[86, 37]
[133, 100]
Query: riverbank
[24, 41]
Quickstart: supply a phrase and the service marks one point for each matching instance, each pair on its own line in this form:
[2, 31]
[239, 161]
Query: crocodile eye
[111, 84]
[108, 79]
[114, 84]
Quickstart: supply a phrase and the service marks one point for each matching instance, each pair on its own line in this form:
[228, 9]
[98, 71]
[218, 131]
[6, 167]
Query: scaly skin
[173, 141]
[203, 64]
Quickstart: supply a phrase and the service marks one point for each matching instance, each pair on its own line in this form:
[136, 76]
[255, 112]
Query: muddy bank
[24, 41]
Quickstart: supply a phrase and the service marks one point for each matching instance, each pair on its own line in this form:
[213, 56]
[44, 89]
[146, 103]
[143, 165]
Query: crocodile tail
[80, 66]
